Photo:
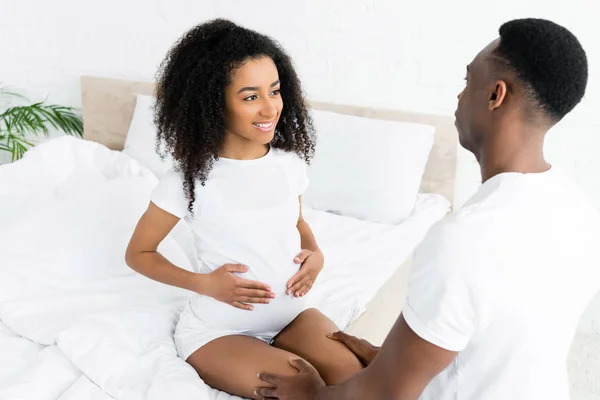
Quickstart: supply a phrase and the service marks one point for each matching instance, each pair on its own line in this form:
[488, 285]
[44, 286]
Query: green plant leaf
[36, 118]
[18, 122]
[15, 145]
[4, 91]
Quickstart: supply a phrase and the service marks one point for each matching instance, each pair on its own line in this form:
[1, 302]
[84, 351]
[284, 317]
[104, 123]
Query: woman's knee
[309, 320]
[307, 337]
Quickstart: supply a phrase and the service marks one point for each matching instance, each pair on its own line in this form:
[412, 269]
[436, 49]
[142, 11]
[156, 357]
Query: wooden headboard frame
[108, 106]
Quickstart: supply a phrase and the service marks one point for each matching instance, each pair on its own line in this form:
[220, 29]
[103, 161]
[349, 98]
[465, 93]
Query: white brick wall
[384, 53]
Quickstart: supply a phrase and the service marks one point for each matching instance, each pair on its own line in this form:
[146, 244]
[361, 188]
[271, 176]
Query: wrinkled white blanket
[76, 323]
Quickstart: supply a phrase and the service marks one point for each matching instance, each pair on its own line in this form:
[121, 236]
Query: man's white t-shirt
[504, 281]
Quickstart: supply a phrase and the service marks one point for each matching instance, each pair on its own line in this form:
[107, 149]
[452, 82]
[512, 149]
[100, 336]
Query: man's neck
[513, 151]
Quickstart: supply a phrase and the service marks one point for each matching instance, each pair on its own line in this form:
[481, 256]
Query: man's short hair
[549, 61]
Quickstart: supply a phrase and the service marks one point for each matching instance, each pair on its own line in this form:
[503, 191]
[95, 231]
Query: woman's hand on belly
[224, 286]
[311, 265]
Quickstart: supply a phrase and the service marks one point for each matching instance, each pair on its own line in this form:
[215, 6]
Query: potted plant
[20, 123]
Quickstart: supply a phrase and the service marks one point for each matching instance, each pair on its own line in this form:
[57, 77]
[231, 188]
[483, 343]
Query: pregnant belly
[265, 318]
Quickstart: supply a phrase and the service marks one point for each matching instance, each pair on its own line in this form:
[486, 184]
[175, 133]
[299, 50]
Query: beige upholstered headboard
[108, 106]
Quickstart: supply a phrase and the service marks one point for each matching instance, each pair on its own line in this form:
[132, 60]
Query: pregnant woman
[230, 110]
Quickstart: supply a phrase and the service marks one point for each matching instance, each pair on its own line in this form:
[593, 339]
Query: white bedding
[34, 372]
[76, 323]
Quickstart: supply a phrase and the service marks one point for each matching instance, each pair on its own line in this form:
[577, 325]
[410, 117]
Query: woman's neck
[236, 147]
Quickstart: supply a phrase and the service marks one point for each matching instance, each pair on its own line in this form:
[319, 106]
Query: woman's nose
[269, 108]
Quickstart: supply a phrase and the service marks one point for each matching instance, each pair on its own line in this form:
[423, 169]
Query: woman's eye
[276, 92]
[250, 98]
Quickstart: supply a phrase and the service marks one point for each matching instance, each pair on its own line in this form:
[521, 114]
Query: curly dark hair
[190, 98]
[549, 60]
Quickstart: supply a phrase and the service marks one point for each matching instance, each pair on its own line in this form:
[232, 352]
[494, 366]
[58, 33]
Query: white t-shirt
[504, 281]
[246, 213]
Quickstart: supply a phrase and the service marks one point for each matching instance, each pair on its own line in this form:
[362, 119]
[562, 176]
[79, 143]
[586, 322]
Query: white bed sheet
[16, 353]
[64, 284]
[30, 371]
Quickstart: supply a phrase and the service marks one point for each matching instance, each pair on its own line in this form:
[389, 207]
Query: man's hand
[362, 349]
[312, 264]
[303, 386]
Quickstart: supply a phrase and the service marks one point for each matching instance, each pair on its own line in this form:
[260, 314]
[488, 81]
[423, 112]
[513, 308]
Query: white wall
[384, 53]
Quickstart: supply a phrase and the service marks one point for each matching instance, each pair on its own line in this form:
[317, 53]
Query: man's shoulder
[453, 237]
[458, 242]
[466, 221]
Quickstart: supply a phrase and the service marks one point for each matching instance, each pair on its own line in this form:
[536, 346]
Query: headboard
[108, 106]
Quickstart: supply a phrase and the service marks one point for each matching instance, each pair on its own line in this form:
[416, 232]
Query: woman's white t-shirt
[246, 213]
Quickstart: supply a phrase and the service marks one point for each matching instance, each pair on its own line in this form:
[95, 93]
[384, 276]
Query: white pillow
[140, 143]
[80, 203]
[366, 168]
[83, 226]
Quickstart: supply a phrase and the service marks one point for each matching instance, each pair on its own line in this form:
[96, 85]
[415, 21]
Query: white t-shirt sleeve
[169, 194]
[444, 304]
[298, 173]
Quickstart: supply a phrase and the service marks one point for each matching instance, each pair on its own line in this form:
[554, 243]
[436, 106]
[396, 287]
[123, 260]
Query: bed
[76, 324]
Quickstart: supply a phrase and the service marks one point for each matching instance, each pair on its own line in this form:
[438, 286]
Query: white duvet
[76, 323]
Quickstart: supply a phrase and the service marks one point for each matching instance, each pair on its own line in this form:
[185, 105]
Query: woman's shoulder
[169, 194]
[295, 167]
[172, 176]
[289, 157]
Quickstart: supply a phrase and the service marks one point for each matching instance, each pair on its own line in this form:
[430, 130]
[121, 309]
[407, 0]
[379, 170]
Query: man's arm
[445, 305]
[403, 367]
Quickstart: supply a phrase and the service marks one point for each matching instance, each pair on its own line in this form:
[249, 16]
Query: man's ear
[497, 96]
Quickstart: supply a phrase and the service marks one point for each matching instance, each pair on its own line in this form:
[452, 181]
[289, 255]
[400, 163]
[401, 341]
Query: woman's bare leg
[231, 364]
[306, 337]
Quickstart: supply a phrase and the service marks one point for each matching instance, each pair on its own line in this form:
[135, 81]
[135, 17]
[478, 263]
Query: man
[497, 288]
